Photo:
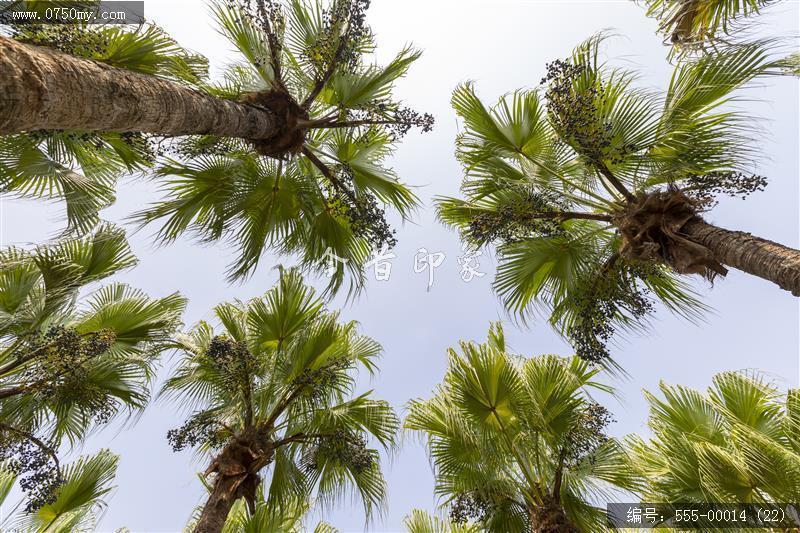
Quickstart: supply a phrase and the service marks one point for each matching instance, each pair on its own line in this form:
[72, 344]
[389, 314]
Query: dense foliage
[277, 384]
[584, 184]
[738, 442]
[70, 364]
[319, 189]
[517, 443]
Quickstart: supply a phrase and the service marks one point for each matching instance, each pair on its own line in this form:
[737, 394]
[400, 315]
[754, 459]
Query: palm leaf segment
[268, 516]
[691, 25]
[419, 521]
[517, 441]
[78, 503]
[585, 185]
[272, 394]
[736, 443]
[81, 168]
[320, 186]
[69, 364]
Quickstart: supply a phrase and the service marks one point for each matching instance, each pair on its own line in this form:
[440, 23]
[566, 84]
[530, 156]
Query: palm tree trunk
[766, 259]
[41, 88]
[549, 517]
[218, 506]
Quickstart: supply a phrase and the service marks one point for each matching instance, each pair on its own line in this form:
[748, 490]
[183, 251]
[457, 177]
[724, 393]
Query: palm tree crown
[739, 442]
[318, 188]
[67, 366]
[517, 443]
[589, 188]
[323, 189]
[273, 391]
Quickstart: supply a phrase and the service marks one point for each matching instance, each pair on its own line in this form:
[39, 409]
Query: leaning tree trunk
[759, 257]
[218, 506]
[41, 88]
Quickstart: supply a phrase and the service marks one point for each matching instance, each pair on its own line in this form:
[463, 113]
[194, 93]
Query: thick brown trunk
[550, 517]
[218, 506]
[236, 467]
[42, 88]
[759, 257]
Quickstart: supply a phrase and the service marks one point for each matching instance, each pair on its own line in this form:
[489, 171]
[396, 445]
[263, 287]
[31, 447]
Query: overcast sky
[502, 45]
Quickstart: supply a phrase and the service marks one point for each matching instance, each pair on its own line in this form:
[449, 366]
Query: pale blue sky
[502, 45]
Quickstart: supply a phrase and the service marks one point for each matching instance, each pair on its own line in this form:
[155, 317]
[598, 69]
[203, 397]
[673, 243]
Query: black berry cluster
[514, 221]
[587, 434]
[469, 507]
[616, 292]
[201, 428]
[707, 187]
[343, 447]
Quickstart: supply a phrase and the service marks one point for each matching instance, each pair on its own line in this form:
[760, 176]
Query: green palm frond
[689, 25]
[28, 171]
[551, 174]
[69, 363]
[731, 444]
[79, 501]
[371, 86]
[420, 521]
[282, 369]
[500, 432]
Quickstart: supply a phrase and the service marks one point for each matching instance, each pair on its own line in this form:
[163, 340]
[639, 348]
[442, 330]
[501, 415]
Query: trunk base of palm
[665, 226]
[237, 469]
[551, 518]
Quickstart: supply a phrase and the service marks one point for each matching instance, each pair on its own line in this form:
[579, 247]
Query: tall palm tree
[78, 503]
[517, 444]
[697, 24]
[312, 183]
[737, 443]
[69, 364]
[594, 190]
[272, 393]
[80, 166]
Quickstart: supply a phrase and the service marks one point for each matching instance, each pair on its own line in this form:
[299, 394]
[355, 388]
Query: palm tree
[68, 364]
[78, 502]
[738, 443]
[420, 521]
[594, 191]
[696, 24]
[312, 183]
[517, 444]
[81, 166]
[273, 393]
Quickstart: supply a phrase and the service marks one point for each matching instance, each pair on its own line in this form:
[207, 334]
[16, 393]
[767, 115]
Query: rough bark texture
[218, 506]
[651, 230]
[759, 257]
[42, 88]
[237, 476]
[550, 518]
